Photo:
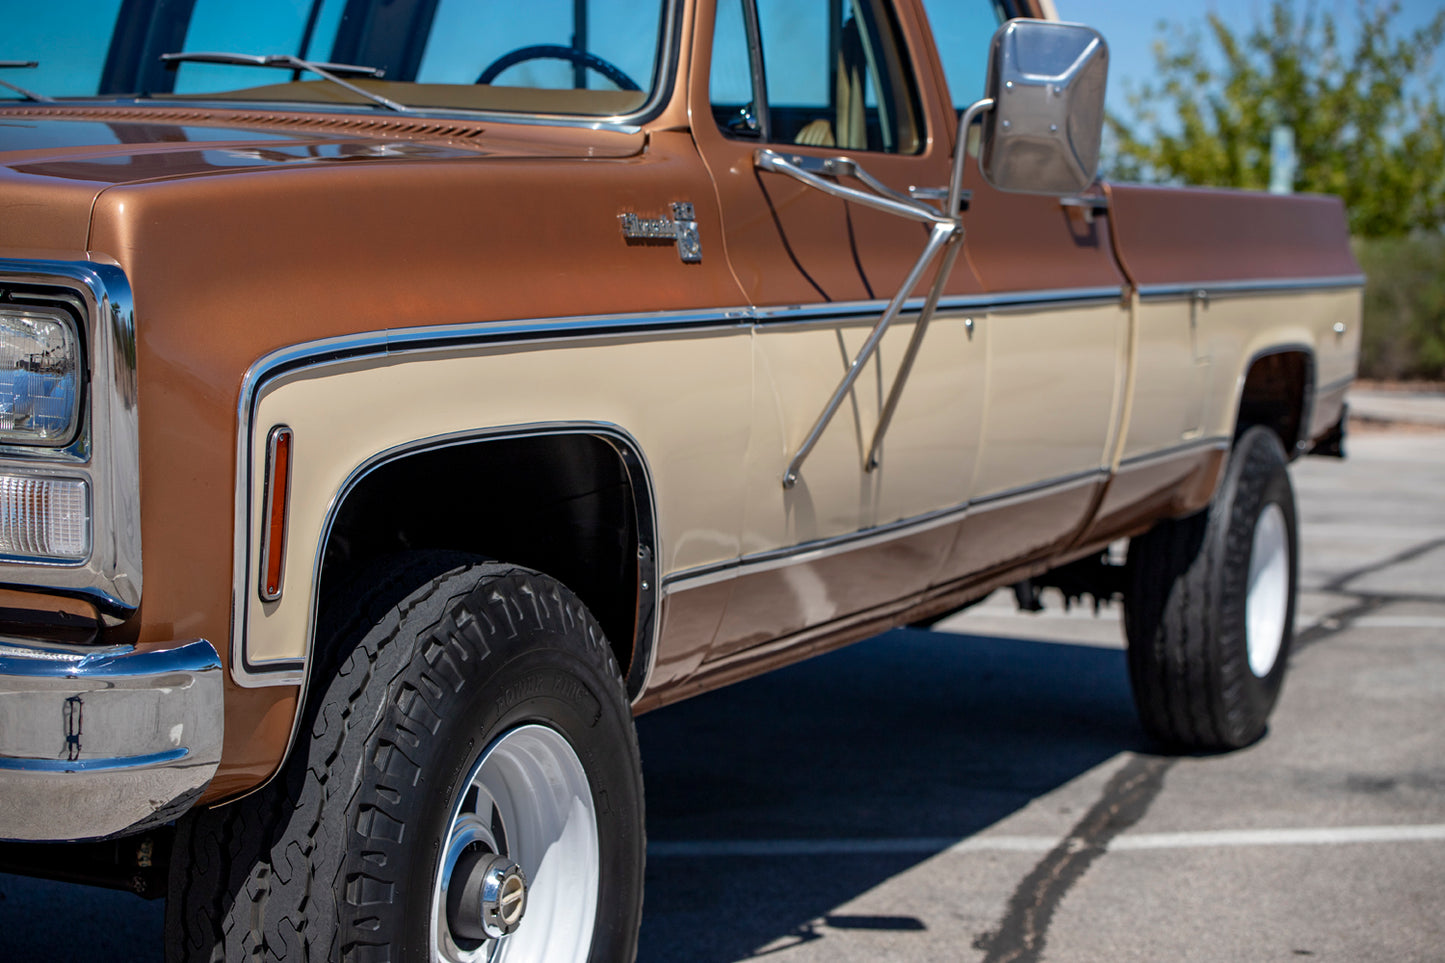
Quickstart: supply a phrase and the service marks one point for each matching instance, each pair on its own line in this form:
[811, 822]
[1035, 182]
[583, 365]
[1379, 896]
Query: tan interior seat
[849, 129]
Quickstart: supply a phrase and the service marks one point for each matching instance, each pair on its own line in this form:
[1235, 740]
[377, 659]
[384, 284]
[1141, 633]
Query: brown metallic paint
[423, 236]
[689, 623]
[791, 244]
[1016, 532]
[1138, 496]
[1329, 405]
[808, 592]
[1193, 235]
[817, 639]
[38, 215]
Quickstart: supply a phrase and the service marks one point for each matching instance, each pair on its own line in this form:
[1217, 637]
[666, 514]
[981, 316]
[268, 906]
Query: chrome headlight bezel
[104, 448]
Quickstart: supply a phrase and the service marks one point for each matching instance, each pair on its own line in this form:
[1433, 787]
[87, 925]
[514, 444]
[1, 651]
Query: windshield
[593, 58]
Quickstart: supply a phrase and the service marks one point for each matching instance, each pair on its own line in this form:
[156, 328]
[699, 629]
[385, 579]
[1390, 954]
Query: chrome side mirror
[1046, 81]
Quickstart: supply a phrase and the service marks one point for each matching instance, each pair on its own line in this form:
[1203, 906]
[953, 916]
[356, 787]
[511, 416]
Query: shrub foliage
[1404, 335]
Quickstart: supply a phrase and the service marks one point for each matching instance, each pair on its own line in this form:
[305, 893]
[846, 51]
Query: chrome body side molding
[1218, 442]
[1244, 288]
[841, 544]
[390, 345]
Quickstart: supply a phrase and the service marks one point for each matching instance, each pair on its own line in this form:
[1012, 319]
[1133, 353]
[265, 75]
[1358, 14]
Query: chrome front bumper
[98, 742]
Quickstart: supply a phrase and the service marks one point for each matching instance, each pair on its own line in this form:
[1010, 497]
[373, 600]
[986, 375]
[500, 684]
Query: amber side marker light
[273, 511]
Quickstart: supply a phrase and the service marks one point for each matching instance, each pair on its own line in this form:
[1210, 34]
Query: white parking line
[1323, 836]
[1400, 622]
[925, 846]
[850, 847]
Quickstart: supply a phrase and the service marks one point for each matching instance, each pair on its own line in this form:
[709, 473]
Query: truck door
[1055, 332]
[812, 80]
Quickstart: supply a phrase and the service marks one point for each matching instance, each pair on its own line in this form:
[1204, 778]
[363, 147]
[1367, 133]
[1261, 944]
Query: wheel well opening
[1274, 397]
[562, 504]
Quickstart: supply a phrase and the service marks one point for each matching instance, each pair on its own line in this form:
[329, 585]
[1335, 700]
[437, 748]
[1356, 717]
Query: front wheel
[468, 789]
[1209, 609]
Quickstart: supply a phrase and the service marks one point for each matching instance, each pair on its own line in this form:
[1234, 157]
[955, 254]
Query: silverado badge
[681, 227]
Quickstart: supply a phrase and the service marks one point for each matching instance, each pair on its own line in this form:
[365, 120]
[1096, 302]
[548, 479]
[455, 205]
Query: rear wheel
[1209, 610]
[468, 789]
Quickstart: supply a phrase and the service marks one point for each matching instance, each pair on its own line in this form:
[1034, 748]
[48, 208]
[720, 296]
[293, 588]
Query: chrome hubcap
[520, 869]
[1267, 602]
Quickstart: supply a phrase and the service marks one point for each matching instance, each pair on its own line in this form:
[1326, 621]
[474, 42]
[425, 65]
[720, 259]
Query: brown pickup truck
[398, 396]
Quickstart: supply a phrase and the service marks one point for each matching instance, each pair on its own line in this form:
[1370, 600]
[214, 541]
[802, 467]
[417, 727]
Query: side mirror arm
[960, 150]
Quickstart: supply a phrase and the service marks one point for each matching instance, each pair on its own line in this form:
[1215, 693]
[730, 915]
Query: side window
[731, 83]
[833, 74]
[962, 30]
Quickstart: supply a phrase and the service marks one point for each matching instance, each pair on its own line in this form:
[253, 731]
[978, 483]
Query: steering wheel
[548, 51]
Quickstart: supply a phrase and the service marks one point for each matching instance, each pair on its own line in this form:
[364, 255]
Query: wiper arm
[27, 94]
[326, 70]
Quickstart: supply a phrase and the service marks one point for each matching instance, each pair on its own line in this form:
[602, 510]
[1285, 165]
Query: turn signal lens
[39, 378]
[273, 512]
[44, 518]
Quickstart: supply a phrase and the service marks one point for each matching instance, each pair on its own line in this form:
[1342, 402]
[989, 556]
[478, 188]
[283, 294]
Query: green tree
[1367, 117]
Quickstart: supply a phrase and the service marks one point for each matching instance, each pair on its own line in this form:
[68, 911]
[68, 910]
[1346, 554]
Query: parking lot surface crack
[1340, 583]
[1021, 934]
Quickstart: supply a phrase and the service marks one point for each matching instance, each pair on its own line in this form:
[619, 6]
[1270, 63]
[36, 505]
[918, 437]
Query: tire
[472, 720]
[1209, 608]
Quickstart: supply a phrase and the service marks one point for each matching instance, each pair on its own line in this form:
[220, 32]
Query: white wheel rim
[1267, 602]
[527, 798]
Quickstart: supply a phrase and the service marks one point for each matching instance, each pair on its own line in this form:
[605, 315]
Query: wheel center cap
[504, 897]
[487, 898]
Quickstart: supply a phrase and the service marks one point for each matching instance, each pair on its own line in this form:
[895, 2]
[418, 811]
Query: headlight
[39, 377]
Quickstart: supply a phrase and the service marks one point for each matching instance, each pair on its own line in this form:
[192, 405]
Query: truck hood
[54, 161]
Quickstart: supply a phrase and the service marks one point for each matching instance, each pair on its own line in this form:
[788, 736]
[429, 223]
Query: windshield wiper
[27, 94]
[325, 70]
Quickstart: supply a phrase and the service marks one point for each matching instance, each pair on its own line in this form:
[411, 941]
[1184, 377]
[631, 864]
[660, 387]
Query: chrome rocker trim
[100, 742]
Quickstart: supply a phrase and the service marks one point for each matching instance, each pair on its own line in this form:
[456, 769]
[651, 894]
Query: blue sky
[1131, 27]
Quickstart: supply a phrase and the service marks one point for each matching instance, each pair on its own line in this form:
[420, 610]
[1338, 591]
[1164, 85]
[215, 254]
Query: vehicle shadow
[913, 734]
[916, 734]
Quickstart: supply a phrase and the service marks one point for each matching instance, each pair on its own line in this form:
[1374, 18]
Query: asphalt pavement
[1402, 404]
[982, 792]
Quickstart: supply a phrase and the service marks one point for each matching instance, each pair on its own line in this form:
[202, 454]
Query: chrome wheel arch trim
[297, 672]
[1307, 403]
[246, 672]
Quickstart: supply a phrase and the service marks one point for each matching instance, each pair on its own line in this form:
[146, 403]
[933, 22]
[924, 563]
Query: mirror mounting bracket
[945, 238]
